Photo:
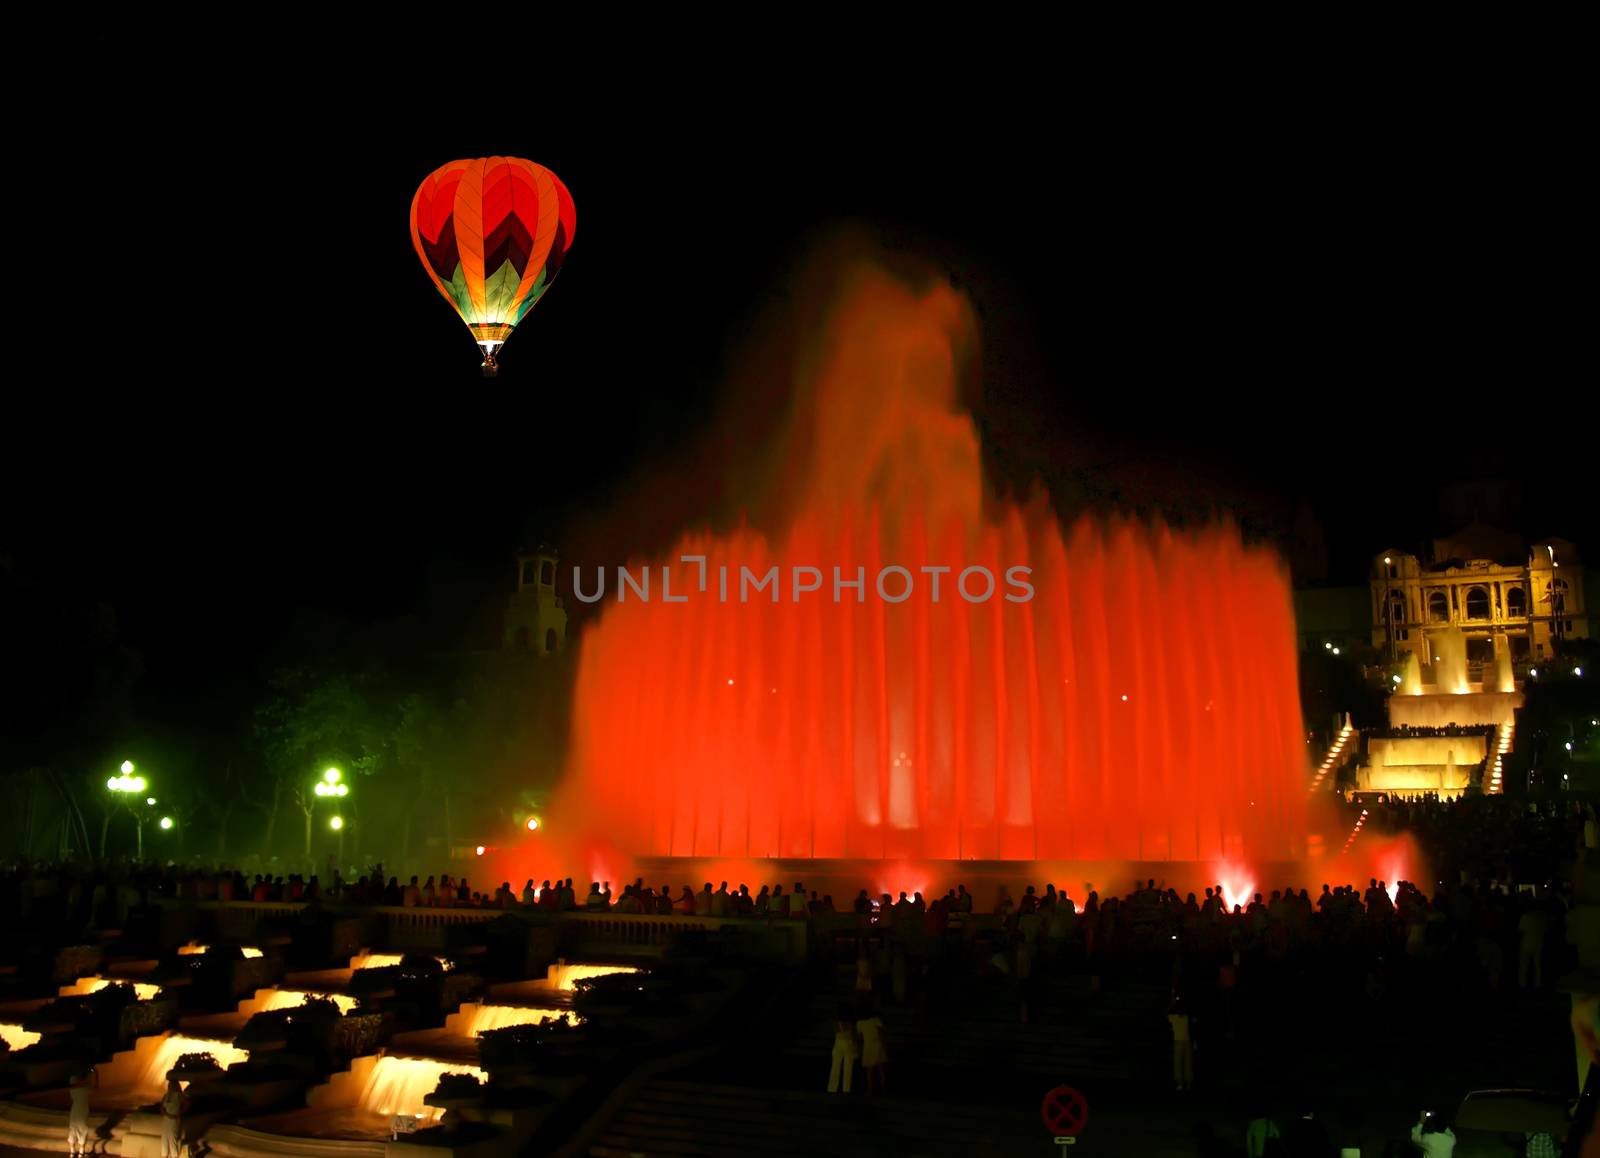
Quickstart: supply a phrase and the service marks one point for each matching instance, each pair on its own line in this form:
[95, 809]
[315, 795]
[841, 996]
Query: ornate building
[536, 618]
[1504, 598]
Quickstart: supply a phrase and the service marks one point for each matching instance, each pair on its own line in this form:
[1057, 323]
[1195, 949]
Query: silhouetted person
[1306, 1137]
[845, 1050]
[1433, 1137]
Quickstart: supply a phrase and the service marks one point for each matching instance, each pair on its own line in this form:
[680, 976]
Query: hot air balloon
[492, 234]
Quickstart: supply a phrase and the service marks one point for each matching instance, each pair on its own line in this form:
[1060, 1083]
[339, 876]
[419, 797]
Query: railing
[417, 928]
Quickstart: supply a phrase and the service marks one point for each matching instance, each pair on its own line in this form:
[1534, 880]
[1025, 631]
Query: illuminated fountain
[375, 960]
[472, 1019]
[136, 1077]
[268, 1000]
[17, 1038]
[559, 978]
[1449, 661]
[457, 1040]
[398, 1085]
[1142, 706]
[273, 999]
[565, 977]
[370, 1100]
[84, 986]
[323, 982]
[1411, 682]
[1440, 731]
[152, 1075]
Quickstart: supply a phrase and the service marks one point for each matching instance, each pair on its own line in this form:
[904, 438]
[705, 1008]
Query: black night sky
[1316, 317]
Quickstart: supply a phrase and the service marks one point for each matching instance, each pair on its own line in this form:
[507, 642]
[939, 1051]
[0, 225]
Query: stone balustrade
[396, 928]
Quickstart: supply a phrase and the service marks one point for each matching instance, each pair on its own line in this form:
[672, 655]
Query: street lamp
[127, 785]
[166, 823]
[330, 786]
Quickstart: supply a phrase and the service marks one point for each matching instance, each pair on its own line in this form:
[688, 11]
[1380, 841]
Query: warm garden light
[150, 800]
[127, 768]
[166, 822]
[480, 850]
[533, 824]
[126, 783]
[331, 775]
[336, 823]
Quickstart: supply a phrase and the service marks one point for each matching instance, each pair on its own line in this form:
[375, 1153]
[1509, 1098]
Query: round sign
[1065, 1111]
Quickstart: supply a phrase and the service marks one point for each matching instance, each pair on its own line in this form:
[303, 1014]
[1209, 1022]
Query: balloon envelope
[492, 234]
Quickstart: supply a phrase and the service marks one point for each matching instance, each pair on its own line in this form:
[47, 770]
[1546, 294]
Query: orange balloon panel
[492, 234]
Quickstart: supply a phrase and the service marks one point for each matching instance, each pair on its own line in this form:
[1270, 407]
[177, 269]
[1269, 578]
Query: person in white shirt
[173, 1105]
[1431, 1136]
[78, 1116]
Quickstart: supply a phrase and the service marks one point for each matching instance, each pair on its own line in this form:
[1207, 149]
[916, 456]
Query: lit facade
[1502, 597]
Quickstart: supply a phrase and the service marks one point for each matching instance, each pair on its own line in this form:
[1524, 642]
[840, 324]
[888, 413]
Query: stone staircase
[966, 1078]
[1115, 1035]
[669, 1117]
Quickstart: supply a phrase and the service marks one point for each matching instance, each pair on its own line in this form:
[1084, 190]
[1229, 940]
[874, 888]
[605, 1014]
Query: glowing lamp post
[330, 787]
[128, 786]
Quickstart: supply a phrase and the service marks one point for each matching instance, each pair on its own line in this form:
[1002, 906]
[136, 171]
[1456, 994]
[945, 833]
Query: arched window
[549, 639]
[1478, 603]
[1438, 607]
[1516, 603]
[522, 637]
[547, 574]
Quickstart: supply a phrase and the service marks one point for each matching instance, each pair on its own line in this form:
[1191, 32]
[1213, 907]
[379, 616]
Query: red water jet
[1142, 706]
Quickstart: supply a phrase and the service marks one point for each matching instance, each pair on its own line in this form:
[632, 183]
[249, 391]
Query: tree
[311, 721]
[68, 684]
